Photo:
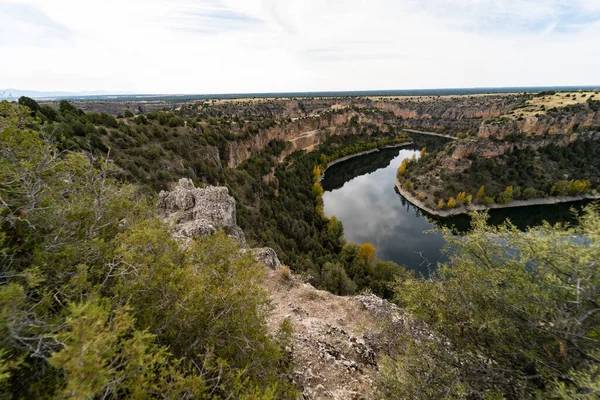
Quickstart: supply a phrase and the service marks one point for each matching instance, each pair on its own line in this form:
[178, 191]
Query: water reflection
[372, 211]
[361, 193]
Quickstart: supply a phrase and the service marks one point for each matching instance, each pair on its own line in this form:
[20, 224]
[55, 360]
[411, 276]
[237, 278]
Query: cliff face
[558, 129]
[456, 109]
[551, 124]
[303, 133]
[489, 149]
[452, 114]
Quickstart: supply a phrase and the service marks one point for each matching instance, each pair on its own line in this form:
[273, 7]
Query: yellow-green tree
[451, 202]
[480, 193]
[317, 190]
[402, 168]
[323, 159]
[506, 196]
[423, 152]
[441, 204]
[366, 253]
[317, 171]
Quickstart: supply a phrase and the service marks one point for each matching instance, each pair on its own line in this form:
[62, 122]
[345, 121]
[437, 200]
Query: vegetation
[285, 213]
[97, 300]
[520, 174]
[516, 315]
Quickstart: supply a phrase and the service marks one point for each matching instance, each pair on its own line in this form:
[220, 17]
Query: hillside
[117, 283]
[517, 156]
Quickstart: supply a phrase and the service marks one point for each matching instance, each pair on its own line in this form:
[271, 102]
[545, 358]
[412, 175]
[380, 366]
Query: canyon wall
[494, 139]
[545, 124]
[305, 133]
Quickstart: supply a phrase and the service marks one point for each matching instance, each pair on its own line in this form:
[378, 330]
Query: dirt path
[429, 133]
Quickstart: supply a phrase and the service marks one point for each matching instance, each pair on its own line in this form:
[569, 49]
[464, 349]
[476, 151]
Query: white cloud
[225, 46]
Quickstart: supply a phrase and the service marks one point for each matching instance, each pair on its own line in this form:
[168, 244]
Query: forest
[97, 300]
[519, 174]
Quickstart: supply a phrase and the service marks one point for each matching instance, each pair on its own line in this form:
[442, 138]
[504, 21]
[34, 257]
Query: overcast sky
[240, 46]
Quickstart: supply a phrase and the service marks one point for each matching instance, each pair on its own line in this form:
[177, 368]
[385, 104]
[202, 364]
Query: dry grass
[540, 105]
[285, 274]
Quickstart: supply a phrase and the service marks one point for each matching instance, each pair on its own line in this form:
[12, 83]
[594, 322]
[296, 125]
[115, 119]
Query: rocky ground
[337, 342]
[331, 346]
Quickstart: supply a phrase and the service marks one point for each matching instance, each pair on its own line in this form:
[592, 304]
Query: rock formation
[305, 133]
[196, 212]
[199, 212]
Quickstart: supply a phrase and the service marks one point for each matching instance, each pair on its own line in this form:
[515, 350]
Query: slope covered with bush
[97, 300]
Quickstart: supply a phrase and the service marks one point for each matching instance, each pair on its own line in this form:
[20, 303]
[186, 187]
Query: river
[360, 192]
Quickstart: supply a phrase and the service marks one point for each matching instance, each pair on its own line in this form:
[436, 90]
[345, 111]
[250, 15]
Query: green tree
[29, 103]
[97, 299]
[336, 281]
[519, 309]
[102, 354]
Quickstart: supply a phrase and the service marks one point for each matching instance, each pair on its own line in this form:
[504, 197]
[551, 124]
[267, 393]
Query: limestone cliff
[558, 128]
[318, 117]
[305, 133]
[544, 124]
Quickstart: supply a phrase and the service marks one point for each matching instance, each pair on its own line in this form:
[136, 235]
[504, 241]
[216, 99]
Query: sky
[249, 46]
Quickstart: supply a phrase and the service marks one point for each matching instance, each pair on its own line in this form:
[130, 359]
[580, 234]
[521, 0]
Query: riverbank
[360, 153]
[477, 207]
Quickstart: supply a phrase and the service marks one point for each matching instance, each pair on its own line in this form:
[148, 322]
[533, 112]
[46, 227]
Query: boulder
[199, 212]
[266, 256]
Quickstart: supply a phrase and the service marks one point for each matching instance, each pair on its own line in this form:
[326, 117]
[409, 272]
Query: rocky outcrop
[199, 212]
[266, 256]
[196, 212]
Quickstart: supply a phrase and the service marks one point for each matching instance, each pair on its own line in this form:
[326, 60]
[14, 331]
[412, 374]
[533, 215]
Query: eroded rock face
[266, 256]
[546, 124]
[488, 149]
[303, 133]
[199, 212]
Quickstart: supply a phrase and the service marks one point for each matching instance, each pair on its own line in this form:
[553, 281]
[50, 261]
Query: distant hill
[13, 94]
[16, 93]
